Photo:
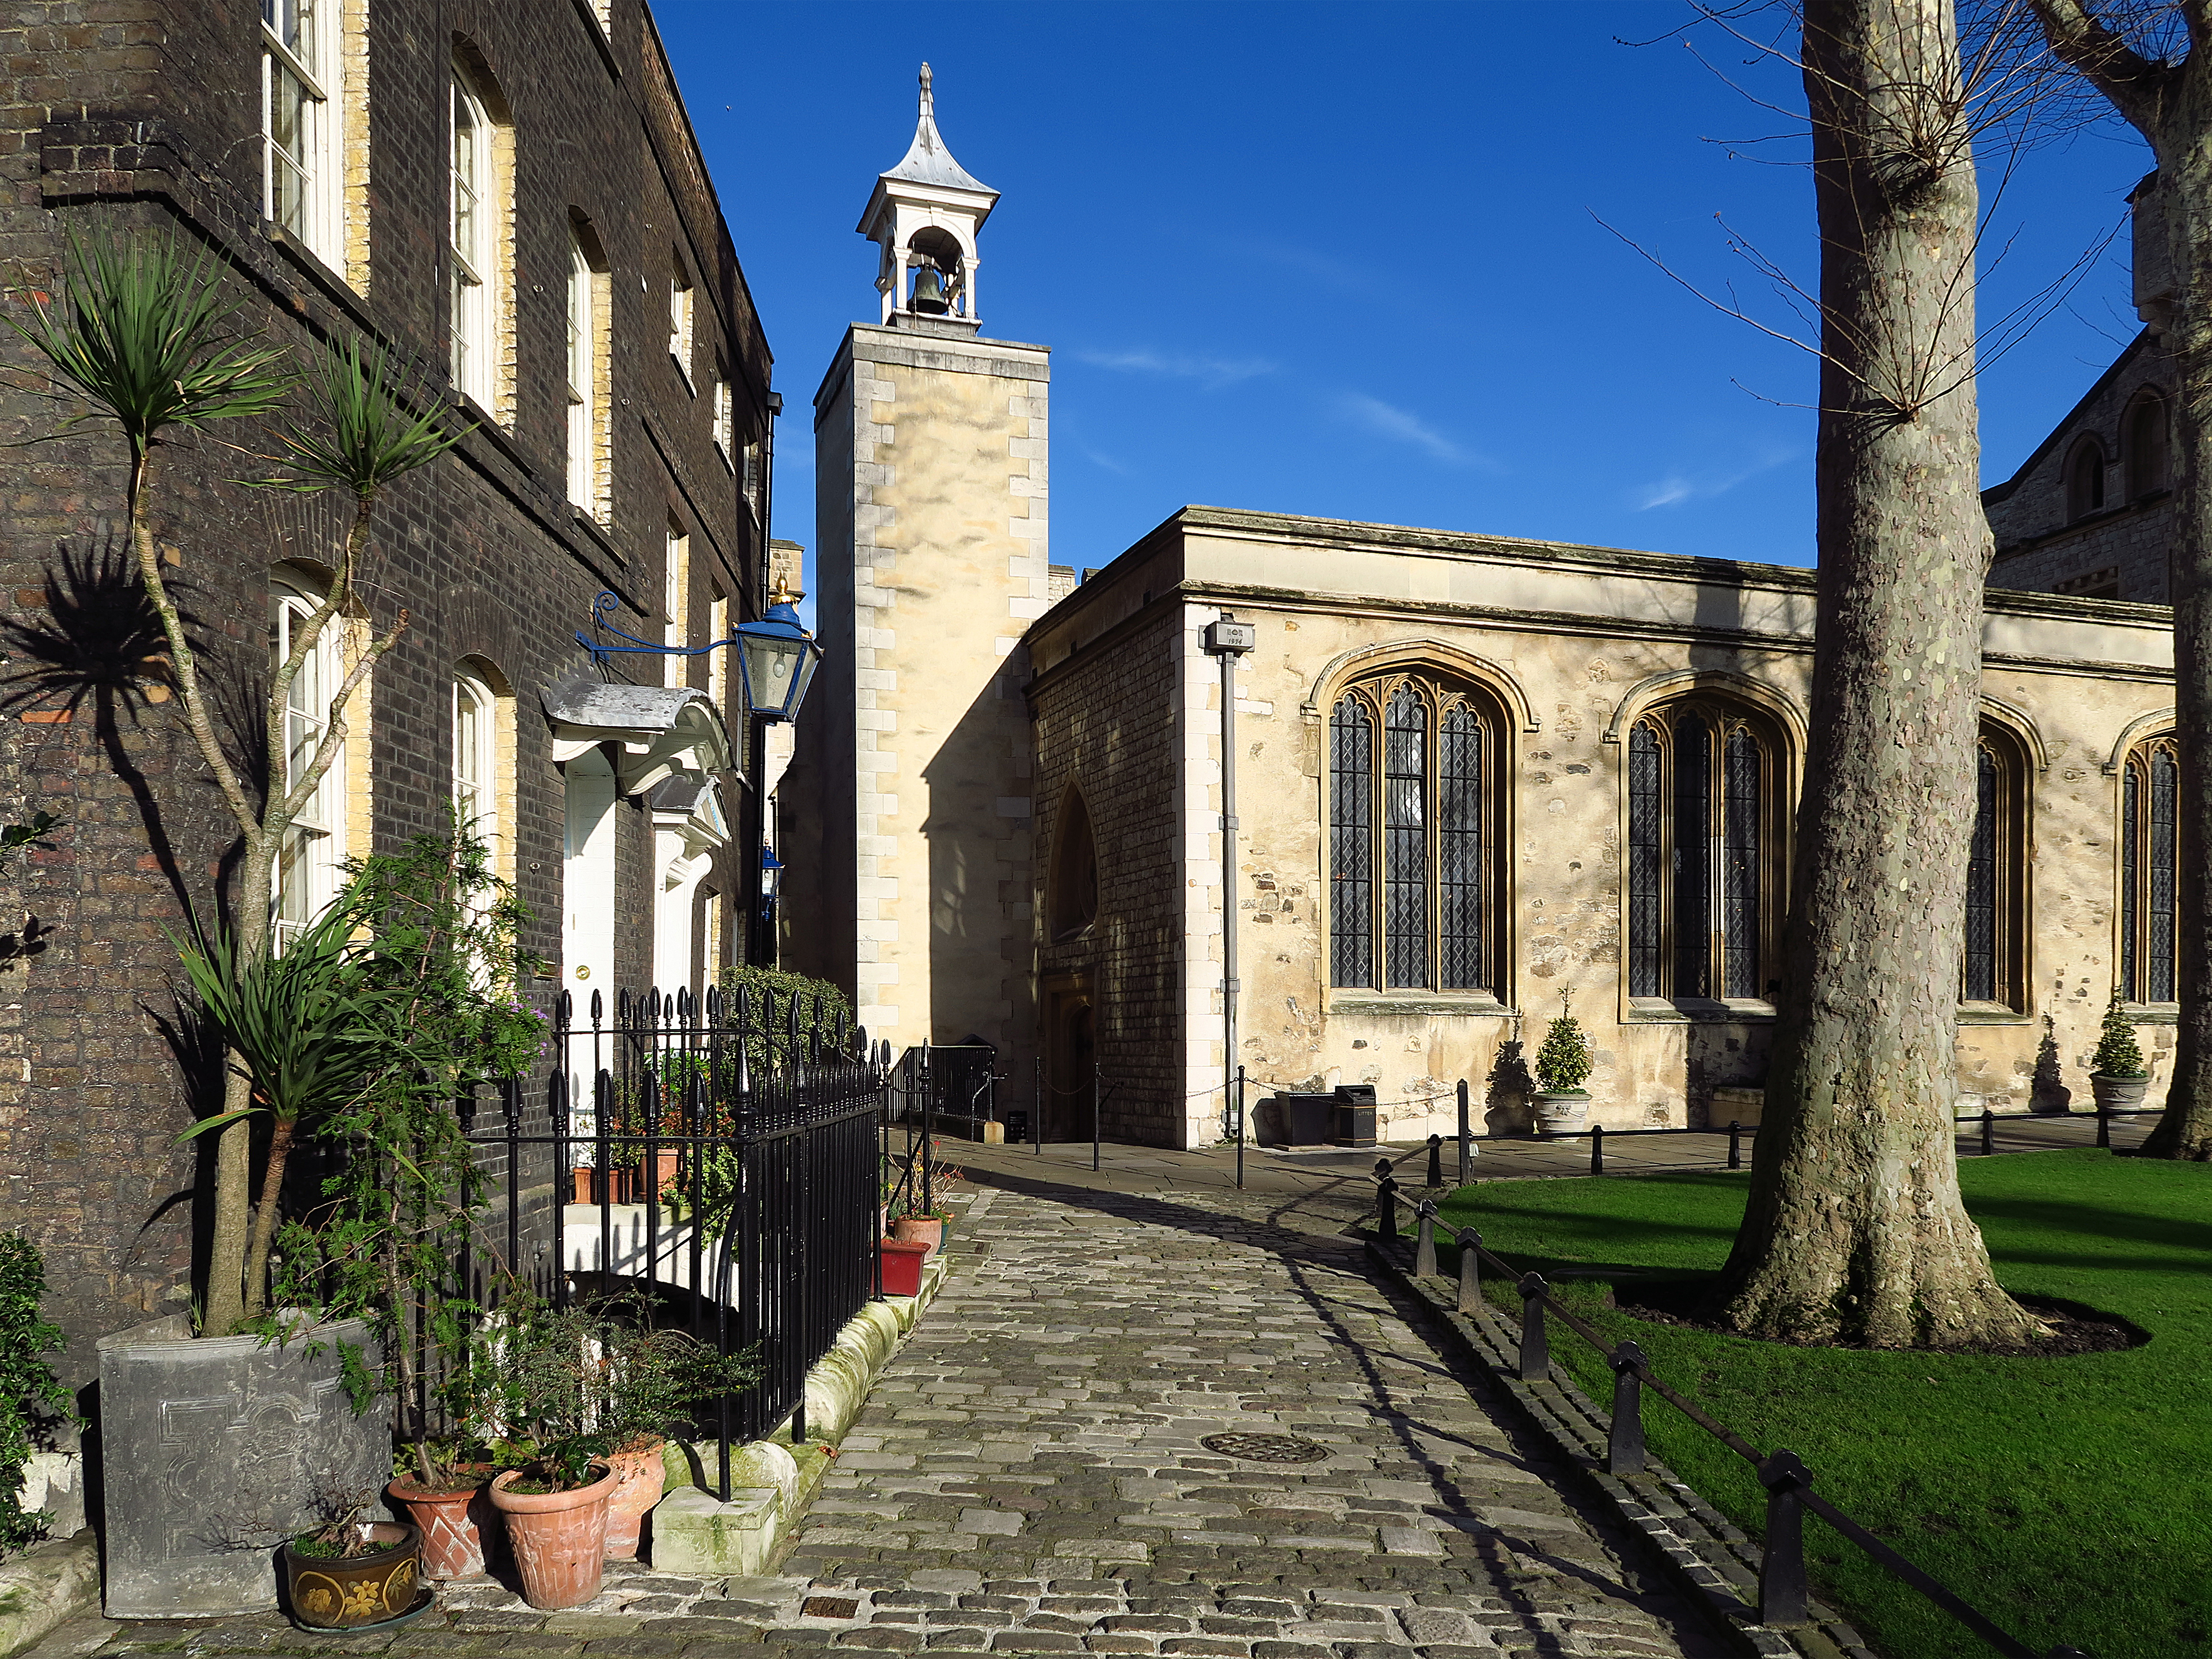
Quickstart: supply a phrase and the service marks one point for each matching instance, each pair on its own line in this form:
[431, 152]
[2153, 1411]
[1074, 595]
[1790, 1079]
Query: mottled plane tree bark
[2153, 60]
[1855, 1230]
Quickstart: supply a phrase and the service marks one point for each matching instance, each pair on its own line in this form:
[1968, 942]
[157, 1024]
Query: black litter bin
[1355, 1113]
[1017, 1128]
[1299, 1120]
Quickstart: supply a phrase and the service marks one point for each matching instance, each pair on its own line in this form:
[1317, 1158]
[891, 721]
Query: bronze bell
[929, 291]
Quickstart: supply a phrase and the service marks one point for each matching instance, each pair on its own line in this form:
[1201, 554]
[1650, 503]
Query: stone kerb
[773, 1481]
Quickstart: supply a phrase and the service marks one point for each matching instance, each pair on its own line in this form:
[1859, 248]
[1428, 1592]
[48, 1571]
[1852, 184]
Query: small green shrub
[32, 1399]
[1564, 1059]
[2118, 1055]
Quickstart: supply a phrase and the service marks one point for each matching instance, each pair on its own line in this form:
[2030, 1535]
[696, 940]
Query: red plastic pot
[902, 1264]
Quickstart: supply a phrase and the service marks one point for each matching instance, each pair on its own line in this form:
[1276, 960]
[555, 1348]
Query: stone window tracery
[2150, 788]
[1705, 871]
[1994, 969]
[1413, 829]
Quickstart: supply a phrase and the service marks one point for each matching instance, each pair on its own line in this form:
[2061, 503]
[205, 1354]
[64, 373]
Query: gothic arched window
[2149, 785]
[1995, 968]
[1414, 765]
[2144, 434]
[1704, 852]
[2085, 480]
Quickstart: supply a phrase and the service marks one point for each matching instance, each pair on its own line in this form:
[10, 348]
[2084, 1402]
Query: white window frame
[475, 760]
[676, 584]
[583, 378]
[469, 232]
[308, 58]
[725, 429]
[680, 312]
[308, 870]
[718, 662]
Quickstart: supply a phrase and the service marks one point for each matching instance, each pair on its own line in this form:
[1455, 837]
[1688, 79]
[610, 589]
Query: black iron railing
[719, 1161]
[1785, 1593]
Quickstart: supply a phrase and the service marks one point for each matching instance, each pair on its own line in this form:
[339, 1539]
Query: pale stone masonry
[932, 488]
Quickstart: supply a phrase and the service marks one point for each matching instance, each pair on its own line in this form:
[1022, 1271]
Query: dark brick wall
[1108, 724]
[2120, 552]
[145, 123]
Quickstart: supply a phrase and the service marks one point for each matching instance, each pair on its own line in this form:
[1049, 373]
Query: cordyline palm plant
[143, 334]
[306, 1028]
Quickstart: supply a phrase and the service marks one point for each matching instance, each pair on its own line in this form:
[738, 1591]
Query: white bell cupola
[924, 215]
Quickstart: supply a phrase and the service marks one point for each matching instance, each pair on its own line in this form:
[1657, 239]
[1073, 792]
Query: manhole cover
[1265, 1448]
[828, 1607]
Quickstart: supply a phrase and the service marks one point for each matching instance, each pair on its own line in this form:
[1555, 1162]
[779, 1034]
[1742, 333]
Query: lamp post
[776, 660]
[1226, 639]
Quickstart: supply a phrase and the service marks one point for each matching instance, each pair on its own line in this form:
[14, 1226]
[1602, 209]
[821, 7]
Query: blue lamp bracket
[606, 604]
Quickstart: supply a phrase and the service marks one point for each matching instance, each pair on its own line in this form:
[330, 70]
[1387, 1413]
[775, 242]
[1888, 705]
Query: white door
[587, 923]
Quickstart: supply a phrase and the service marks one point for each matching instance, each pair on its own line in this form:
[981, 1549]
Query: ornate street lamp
[776, 660]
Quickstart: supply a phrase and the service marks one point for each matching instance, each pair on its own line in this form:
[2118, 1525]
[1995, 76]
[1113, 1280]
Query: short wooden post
[1470, 1270]
[1989, 1132]
[1781, 1589]
[1597, 1149]
[1735, 1144]
[2104, 1124]
[1435, 1161]
[1386, 1195]
[1425, 1240]
[1535, 1343]
[1624, 1447]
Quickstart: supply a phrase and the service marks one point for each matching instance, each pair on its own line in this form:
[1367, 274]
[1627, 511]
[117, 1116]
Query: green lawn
[2068, 1498]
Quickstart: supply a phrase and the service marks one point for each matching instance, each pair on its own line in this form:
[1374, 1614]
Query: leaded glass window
[2149, 791]
[1981, 978]
[1704, 864]
[1411, 835]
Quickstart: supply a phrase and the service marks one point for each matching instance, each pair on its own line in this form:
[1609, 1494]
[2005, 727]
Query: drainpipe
[1228, 639]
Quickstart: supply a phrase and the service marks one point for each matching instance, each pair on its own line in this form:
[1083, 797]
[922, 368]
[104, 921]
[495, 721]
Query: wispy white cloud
[1677, 486]
[1106, 462]
[1402, 426]
[1211, 373]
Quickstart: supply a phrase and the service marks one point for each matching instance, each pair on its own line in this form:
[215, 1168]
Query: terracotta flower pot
[559, 1539]
[639, 1478]
[919, 1230]
[337, 1592]
[456, 1522]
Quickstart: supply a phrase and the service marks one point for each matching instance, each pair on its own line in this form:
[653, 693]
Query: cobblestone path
[1028, 1479]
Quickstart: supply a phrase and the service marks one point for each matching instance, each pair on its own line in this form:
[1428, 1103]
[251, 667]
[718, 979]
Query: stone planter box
[211, 1452]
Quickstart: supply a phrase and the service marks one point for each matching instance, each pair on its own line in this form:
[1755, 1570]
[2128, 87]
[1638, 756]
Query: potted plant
[350, 1572]
[594, 1376]
[2118, 1075]
[555, 1509]
[452, 1508]
[1563, 1061]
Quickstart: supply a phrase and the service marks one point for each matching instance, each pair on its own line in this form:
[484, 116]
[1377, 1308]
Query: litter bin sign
[1017, 1128]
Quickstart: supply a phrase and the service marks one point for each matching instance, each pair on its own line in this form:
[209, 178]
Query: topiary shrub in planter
[2117, 1076]
[1562, 1064]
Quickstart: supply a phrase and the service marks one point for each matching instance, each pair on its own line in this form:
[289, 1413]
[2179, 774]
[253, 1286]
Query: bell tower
[924, 216]
[909, 800]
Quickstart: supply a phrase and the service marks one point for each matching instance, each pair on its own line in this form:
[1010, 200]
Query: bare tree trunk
[2170, 104]
[1855, 1231]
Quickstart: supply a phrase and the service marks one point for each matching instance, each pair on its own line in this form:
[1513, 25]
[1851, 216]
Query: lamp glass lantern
[776, 660]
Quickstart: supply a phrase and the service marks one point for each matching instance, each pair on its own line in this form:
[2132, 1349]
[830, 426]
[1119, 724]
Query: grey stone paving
[1028, 1479]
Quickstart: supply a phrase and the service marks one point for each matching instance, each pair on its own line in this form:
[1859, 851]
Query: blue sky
[1354, 259]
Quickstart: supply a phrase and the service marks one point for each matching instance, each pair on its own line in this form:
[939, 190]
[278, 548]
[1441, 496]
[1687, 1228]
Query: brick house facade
[593, 221]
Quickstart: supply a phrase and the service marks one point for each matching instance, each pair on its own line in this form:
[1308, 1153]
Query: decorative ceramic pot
[639, 1478]
[919, 1230]
[902, 1266]
[2120, 1095]
[456, 1522]
[559, 1539]
[346, 1592]
[1561, 1111]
